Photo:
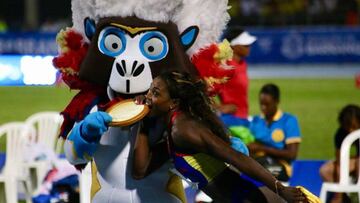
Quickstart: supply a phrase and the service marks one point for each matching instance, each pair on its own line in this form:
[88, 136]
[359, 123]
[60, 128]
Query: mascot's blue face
[133, 56]
[133, 51]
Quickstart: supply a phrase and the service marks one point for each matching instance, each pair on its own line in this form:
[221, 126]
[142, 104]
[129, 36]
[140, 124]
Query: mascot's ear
[89, 25]
[189, 35]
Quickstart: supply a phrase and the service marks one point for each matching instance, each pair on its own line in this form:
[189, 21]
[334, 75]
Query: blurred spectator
[243, 13]
[348, 9]
[295, 12]
[3, 25]
[250, 7]
[52, 25]
[357, 80]
[277, 135]
[349, 120]
[234, 8]
[233, 104]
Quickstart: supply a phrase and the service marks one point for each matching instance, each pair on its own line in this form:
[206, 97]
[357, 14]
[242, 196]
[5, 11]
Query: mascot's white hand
[94, 125]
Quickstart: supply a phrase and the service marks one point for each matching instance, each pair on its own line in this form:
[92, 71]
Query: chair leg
[11, 191]
[2, 193]
[28, 190]
[323, 194]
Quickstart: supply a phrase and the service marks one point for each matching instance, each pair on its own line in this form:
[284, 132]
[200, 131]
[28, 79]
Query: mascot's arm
[84, 138]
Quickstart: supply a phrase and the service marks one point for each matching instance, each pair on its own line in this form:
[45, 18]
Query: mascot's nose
[136, 69]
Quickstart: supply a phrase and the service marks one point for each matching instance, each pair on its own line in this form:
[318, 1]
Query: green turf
[316, 102]
[17, 103]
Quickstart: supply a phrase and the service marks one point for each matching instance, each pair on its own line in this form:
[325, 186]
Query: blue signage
[28, 43]
[306, 45]
[284, 45]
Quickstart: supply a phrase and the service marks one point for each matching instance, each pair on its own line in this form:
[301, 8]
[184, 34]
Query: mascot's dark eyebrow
[133, 30]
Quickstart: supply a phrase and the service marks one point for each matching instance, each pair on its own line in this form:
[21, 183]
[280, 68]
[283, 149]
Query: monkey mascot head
[116, 47]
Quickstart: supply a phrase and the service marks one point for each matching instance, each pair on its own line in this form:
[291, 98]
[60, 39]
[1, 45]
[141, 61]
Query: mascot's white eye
[154, 45]
[111, 41]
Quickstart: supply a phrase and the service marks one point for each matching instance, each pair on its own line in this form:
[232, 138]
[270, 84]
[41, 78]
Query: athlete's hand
[255, 147]
[292, 194]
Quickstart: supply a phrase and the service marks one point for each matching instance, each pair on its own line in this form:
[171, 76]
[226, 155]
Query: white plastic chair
[345, 184]
[14, 170]
[47, 126]
[42, 129]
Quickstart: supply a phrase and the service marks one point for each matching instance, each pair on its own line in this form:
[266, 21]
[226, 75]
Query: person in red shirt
[234, 96]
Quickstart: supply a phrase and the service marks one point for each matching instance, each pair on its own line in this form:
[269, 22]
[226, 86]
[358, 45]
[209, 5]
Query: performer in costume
[113, 51]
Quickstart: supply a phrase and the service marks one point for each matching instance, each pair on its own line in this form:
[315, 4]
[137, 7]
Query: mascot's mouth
[114, 94]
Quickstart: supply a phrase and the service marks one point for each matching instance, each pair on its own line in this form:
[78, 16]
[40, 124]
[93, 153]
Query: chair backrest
[15, 143]
[44, 128]
[345, 157]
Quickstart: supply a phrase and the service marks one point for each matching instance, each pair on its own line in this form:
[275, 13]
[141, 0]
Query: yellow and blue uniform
[283, 130]
[202, 169]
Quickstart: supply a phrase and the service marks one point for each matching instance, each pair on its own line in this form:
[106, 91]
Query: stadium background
[310, 48]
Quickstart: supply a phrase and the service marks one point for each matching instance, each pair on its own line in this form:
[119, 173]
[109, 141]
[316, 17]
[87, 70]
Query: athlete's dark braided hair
[193, 100]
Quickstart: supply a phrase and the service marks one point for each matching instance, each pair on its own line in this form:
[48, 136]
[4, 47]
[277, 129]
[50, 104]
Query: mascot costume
[113, 51]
